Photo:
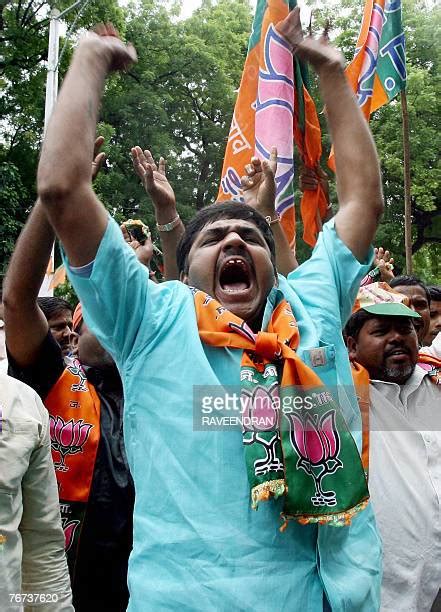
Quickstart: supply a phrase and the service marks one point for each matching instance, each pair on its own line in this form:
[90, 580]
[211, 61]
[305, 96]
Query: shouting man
[197, 542]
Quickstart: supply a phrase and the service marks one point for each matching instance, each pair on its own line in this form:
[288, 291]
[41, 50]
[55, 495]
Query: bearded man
[403, 394]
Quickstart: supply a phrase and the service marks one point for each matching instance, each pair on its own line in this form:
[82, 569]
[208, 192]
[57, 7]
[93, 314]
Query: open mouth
[235, 275]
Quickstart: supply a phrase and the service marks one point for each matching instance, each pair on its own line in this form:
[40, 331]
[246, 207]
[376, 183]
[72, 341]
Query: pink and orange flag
[378, 71]
[274, 109]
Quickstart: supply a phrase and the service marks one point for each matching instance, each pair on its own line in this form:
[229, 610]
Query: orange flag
[378, 71]
[272, 109]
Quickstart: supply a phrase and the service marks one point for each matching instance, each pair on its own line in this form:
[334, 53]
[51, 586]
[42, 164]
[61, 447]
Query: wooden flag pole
[407, 203]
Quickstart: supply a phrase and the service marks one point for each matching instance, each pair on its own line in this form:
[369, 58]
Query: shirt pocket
[18, 440]
[321, 360]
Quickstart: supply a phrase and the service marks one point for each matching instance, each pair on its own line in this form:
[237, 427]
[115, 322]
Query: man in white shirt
[405, 448]
[33, 567]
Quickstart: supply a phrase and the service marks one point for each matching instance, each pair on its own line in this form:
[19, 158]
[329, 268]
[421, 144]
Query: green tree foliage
[178, 101]
[24, 28]
[12, 214]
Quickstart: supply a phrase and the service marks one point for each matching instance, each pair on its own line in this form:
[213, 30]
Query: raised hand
[310, 178]
[98, 158]
[259, 185]
[105, 43]
[317, 51]
[144, 252]
[153, 178]
[384, 262]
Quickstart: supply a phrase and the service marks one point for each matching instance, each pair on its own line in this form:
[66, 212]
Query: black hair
[214, 212]
[409, 281]
[356, 322]
[435, 292]
[52, 306]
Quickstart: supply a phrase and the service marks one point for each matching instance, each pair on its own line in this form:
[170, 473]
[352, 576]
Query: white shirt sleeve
[434, 350]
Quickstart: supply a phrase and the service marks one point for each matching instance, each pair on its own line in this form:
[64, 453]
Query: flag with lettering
[378, 71]
[270, 111]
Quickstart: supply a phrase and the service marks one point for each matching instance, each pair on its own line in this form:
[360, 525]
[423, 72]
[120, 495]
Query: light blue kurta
[197, 543]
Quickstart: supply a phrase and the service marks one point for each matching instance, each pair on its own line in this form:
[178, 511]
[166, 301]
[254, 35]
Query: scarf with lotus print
[296, 441]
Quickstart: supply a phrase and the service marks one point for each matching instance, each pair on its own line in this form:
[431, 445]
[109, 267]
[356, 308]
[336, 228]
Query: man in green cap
[403, 442]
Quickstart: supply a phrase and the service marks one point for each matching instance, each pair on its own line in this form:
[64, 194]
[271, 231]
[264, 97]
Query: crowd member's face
[435, 322]
[231, 261]
[387, 347]
[90, 351]
[60, 326]
[418, 302]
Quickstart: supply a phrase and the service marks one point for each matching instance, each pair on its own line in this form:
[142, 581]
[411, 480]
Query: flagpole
[407, 203]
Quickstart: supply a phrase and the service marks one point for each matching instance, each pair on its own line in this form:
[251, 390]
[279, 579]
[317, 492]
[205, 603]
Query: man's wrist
[94, 58]
[165, 215]
[168, 227]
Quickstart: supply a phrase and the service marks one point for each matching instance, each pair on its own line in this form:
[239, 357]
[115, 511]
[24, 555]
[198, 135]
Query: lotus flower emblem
[68, 438]
[69, 528]
[260, 413]
[317, 443]
[76, 369]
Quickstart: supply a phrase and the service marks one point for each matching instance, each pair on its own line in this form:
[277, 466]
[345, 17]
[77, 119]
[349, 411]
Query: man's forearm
[286, 261]
[357, 168]
[26, 325]
[67, 150]
[64, 173]
[29, 261]
[169, 241]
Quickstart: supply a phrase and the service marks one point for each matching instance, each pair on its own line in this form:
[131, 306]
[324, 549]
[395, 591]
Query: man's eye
[252, 238]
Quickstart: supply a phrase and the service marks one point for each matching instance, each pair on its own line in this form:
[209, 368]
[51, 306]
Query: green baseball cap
[380, 299]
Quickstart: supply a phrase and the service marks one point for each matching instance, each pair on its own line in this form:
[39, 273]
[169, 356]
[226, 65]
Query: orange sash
[74, 413]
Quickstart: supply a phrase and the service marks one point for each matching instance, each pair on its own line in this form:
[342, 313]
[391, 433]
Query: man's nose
[67, 331]
[396, 335]
[232, 239]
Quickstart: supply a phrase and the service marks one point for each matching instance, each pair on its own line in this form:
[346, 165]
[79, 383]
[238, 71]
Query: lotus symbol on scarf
[67, 438]
[317, 443]
[261, 414]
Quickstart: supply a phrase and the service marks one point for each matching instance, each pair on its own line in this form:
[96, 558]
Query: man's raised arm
[357, 168]
[26, 325]
[64, 180]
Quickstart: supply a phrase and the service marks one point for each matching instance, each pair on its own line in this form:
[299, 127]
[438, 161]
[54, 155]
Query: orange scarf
[292, 444]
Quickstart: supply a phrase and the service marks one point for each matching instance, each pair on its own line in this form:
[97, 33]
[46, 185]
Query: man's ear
[183, 277]
[351, 343]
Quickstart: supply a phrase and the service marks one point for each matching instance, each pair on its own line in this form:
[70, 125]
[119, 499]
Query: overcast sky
[188, 6]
